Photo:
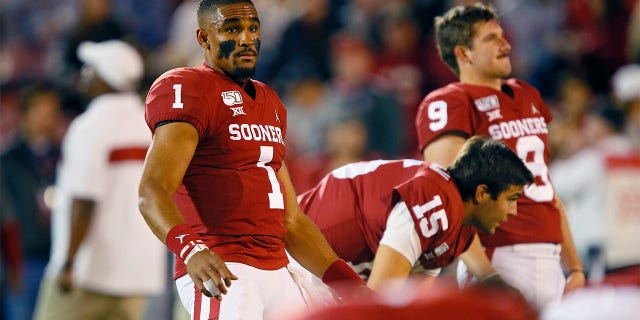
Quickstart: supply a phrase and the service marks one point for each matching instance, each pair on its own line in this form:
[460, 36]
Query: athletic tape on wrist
[183, 241]
[197, 248]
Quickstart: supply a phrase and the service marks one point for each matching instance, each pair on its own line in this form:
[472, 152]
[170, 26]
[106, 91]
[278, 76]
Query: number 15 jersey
[517, 116]
[230, 194]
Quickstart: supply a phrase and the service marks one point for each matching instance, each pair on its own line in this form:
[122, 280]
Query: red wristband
[181, 239]
[340, 277]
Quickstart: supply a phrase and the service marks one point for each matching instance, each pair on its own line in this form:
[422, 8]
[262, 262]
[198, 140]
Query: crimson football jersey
[520, 121]
[352, 203]
[230, 194]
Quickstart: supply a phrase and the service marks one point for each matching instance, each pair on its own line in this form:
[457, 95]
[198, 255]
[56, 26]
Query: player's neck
[467, 217]
[495, 83]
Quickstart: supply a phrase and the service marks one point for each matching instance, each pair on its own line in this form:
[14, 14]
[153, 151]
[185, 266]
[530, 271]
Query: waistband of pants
[539, 249]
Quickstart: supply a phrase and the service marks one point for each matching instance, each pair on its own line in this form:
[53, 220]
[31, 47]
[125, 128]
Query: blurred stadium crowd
[352, 74]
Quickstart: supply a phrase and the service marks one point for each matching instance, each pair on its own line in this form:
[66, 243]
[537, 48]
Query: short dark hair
[30, 93]
[208, 6]
[487, 161]
[456, 27]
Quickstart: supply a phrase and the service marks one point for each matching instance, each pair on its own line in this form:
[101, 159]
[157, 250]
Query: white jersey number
[276, 199]
[538, 192]
[437, 113]
[430, 225]
[177, 93]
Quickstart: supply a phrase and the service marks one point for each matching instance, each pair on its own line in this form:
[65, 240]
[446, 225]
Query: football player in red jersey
[385, 216]
[528, 249]
[215, 188]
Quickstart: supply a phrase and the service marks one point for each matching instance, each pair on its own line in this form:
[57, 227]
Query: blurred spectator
[533, 27]
[574, 98]
[580, 179]
[357, 95]
[104, 262]
[363, 17]
[304, 47]
[626, 90]
[399, 67]
[96, 23]
[147, 24]
[30, 30]
[275, 17]
[309, 114]
[28, 170]
[591, 26]
[181, 47]
[10, 110]
[345, 142]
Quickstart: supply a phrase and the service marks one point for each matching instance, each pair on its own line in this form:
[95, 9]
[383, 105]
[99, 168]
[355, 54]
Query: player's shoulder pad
[261, 85]
[186, 73]
[450, 93]
[521, 85]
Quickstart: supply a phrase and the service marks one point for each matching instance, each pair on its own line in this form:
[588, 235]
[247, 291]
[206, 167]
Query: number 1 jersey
[230, 194]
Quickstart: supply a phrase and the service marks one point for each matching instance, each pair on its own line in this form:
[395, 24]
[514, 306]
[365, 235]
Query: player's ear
[203, 40]
[462, 53]
[482, 194]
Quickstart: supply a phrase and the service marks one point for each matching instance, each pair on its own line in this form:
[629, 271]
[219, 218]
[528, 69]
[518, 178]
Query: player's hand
[496, 281]
[210, 274]
[65, 281]
[576, 280]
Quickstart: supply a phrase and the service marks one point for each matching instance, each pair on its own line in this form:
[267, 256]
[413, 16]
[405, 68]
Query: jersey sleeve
[400, 233]
[443, 111]
[177, 96]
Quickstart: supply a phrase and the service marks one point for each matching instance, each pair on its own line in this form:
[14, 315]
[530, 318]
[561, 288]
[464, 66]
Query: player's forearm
[569, 255]
[388, 264]
[170, 154]
[81, 219]
[307, 245]
[158, 209]
[477, 261]
[303, 241]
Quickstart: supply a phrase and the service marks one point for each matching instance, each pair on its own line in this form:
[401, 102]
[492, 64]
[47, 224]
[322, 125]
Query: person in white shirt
[580, 180]
[105, 261]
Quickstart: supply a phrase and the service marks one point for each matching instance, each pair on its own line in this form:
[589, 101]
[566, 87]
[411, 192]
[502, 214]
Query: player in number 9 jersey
[527, 249]
[469, 110]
